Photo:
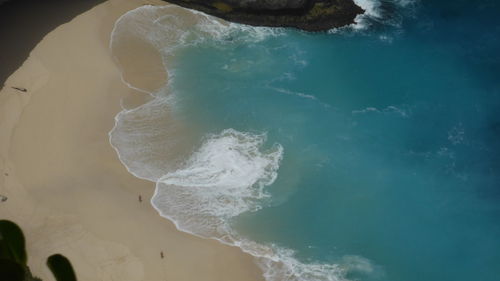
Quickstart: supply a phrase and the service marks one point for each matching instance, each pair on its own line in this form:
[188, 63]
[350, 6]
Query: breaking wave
[201, 185]
[381, 13]
[224, 178]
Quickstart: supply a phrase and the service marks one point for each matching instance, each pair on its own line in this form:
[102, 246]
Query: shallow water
[365, 153]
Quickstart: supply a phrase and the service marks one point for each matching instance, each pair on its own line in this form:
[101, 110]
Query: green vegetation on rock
[223, 7]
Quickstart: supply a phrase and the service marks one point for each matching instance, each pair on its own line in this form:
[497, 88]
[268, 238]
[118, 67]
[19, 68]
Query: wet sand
[65, 185]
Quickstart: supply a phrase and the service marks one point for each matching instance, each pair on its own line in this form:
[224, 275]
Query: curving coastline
[202, 181]
[64, 183]
[259, 144]
[143, 55]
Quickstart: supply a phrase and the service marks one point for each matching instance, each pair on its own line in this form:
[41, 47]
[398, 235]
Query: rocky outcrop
[311, 15]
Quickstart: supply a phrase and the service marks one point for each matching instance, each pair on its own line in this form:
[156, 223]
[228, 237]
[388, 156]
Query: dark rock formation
[311, 15]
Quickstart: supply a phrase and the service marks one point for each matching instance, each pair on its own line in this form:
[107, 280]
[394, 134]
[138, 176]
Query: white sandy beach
[65, 185]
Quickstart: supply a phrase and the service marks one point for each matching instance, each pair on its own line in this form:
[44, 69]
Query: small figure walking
[161, 254]
[140, 198]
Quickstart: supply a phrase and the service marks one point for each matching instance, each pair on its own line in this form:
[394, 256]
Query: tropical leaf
[61, 268]
[12, 243]
[11, 270]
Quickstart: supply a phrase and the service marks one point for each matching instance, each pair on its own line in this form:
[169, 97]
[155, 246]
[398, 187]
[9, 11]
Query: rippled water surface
[368, 153]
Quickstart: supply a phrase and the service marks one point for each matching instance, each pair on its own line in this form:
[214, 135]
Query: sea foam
[379, 12]
[224, 178]
[202, 185]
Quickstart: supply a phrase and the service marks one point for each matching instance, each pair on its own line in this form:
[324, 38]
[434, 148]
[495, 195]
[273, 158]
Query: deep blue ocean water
[390, 138]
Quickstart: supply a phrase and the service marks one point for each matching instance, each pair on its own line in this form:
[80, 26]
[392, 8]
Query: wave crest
[224, 178]
[380, 12]
[227, 174]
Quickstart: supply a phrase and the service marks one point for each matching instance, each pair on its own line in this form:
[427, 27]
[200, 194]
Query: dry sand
[23, 23]
[64, 183]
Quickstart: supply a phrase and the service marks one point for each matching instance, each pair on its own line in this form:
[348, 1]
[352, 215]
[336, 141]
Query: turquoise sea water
[371, 154]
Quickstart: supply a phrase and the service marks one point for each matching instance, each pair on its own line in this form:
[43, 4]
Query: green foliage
[13, 258]
[61, 268]
[11, 270]
[223, 7]
[320, 10]
[12, 243]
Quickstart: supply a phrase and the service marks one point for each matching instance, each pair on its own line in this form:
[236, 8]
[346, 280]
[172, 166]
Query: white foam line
[278, 264]
[110, 46]
[129, 85]
[373, 13]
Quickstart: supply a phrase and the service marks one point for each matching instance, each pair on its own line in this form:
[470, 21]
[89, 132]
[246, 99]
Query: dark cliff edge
[309, 15]
[23, 23]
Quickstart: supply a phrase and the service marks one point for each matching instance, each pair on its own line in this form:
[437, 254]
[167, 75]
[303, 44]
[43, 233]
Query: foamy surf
[224, 178]
[202, 185]
[378, 12]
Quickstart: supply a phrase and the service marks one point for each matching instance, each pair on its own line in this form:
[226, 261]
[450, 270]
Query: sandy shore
[64, 183]
[30, 26]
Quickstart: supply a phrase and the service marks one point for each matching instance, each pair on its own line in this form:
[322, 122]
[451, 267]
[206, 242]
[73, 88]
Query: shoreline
[65, 186]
